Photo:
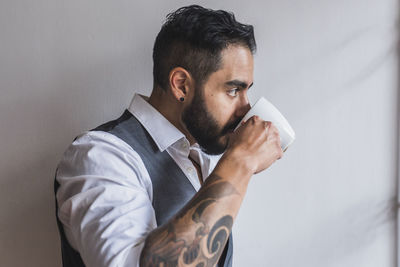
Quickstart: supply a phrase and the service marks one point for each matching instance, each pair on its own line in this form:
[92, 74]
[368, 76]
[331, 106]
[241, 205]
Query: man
[149, 188]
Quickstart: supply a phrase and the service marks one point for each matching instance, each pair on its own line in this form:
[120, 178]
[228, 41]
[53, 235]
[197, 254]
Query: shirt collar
[160, 129]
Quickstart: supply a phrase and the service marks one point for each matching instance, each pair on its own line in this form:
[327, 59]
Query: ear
[180, 82]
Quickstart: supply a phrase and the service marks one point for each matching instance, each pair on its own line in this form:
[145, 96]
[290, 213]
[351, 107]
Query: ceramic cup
[268, 112]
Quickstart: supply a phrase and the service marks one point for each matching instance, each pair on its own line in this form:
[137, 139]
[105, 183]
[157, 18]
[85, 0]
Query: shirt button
[184, 145]
[190, 169]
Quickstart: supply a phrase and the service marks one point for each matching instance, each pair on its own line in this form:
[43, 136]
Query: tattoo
[176, 244]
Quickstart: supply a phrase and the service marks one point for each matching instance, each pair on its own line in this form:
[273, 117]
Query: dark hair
[193, 38]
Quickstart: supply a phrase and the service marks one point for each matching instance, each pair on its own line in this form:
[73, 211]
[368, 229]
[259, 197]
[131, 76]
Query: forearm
[198, 232]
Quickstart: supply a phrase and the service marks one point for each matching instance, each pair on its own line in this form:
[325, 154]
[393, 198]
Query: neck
[171, 109]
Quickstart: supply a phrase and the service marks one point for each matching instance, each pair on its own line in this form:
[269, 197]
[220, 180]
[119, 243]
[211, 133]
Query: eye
[233, 92]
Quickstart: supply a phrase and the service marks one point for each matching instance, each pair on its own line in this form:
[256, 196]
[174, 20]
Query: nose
[243, 106]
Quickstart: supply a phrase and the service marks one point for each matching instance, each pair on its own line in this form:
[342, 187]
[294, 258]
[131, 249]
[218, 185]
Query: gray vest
[171, 188]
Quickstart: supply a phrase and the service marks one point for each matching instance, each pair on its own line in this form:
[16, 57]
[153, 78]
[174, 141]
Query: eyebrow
[238, 84]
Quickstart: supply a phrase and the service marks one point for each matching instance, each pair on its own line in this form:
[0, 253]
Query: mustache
[230, 126]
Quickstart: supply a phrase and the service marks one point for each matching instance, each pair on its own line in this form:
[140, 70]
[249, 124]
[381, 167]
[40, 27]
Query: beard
[204, 127]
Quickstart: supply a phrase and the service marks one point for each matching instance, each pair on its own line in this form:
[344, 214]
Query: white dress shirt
[105, 194]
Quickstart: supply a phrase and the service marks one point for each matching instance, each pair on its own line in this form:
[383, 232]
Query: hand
[256, 144]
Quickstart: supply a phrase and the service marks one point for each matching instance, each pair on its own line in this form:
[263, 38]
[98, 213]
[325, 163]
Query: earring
[182, 99]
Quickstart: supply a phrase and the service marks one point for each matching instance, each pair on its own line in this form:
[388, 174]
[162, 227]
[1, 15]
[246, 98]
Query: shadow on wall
[340, 235]
[362, 224]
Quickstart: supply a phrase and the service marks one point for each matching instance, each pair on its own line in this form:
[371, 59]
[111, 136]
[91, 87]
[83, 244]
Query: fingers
[267, 125]
[273, 133]
[259, 140]
[271, 129]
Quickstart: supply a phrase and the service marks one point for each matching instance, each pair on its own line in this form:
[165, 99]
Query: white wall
[329, 66]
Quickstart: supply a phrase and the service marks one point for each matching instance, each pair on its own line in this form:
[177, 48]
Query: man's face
[219, 105]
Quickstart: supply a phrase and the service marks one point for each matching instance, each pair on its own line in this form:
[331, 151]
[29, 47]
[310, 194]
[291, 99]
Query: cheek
[220, 107]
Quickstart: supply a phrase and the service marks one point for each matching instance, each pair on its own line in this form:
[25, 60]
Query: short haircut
[193, 38]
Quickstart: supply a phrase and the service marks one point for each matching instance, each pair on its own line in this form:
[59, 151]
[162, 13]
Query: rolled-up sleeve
[104, 200]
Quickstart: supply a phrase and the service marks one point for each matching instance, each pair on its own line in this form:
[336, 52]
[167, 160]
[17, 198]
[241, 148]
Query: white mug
[268, 112]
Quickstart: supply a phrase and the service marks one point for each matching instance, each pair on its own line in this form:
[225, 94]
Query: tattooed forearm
[197, 235]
